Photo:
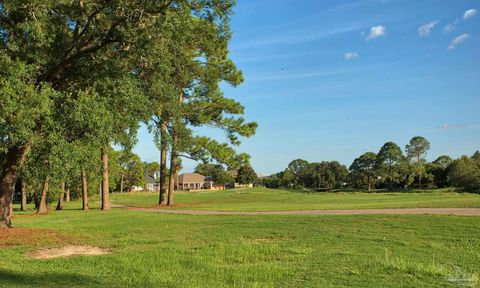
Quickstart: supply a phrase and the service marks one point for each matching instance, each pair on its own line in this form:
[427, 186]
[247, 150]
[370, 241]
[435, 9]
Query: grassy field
[263, 199]
[158, 250]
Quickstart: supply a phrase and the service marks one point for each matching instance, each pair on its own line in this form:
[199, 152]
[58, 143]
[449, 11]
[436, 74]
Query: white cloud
[350, 55]
[425, 29]
[469, 14]
[376, 31]
[457, 41]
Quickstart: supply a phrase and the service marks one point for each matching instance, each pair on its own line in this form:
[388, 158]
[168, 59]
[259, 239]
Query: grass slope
[263, 199]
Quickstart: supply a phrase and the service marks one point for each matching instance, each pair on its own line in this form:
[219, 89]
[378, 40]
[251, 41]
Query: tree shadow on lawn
[47, 279]
[384, 191]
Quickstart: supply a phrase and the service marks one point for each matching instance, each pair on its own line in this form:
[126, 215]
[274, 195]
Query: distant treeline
[389, 168]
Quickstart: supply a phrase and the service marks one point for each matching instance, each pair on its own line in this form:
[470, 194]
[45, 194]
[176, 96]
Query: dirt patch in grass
[67, 251]
[31, 236]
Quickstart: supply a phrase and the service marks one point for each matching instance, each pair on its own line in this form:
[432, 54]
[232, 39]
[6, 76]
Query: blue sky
[330, 80]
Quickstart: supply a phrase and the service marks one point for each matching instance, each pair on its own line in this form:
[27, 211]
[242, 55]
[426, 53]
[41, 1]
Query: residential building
[195, 181]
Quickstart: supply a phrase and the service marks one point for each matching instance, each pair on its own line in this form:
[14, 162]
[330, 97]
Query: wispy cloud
[426, 29]
[457, 41]
[376, 31]
[350, 55]
[297, 36]
[469, 14]
[450, 27]
[452, 126]
[304, 75]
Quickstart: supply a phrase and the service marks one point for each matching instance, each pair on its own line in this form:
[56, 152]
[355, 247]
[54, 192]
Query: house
[195, 181]
[151, 182]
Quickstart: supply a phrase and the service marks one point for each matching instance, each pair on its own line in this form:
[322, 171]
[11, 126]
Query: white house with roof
[195, 181]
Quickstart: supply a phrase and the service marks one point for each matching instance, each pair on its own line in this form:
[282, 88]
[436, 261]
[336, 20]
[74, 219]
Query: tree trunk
[369, 179]
[67, 195]
[11, 209]
[60, 197]
[163, 164]
[420, 174]
[122, 178]
[36, 199]
[23, 205]
[42, 209]
[8, 177]
[176, 178]
[105, 194]
[390, 180]
[84, 191]
[173, 167]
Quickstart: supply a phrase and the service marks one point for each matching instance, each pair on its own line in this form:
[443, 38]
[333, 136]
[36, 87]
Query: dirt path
[395, 211]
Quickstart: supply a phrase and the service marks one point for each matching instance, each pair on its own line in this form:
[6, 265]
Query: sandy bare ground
[395, 211]
[67, 251]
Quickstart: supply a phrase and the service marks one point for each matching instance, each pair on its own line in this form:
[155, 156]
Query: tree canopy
[79, 76]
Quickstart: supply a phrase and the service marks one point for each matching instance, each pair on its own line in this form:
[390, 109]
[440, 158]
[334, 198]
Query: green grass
[160, 250]
[262, 199]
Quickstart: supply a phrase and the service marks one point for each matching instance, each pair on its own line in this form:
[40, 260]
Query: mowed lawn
[263, 199]
[160, 250]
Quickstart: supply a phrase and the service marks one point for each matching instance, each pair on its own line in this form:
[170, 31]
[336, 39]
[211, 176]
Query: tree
[416, 149]
[476, 157]
[49, 53]
[440, 169]
[223, 178]
[208, 169]
[217, 171]
[327, 175]
[443, 161]
[465, 172]
[23, 205]
[61, 196]
[272, 181]
[388, 158]
[152, 167]
[298, 168]
[364, 167]
[184, 88]
[246, 175]
[134, 170]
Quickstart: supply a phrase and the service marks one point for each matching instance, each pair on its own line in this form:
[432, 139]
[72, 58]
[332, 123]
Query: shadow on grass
[384, 191]
[47, 279]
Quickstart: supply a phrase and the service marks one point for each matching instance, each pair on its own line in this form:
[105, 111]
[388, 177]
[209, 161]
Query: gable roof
[191, 177]
[149, 179]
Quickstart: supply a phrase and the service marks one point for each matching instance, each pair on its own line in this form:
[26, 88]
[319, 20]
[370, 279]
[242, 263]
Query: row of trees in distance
[389, 168]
